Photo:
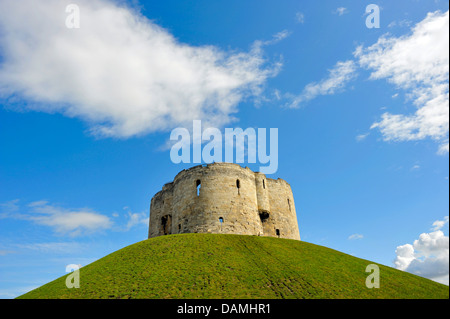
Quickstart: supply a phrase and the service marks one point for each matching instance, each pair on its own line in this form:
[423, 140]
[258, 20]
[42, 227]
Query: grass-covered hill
[234, 266]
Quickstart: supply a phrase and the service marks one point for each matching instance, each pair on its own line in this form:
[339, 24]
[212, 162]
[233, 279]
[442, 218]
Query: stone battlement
[224, 198]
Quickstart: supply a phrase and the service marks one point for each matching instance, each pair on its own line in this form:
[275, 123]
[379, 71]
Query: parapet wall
[224, 198]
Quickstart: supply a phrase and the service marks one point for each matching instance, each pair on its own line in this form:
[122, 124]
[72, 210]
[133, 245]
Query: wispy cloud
[416, 63]
[300, 17]
[439, 224]
[63, 221]
[277, 37]
[70, 221]
[73, 222]
[355, 236]
[340, 11]
[120, 72]
[4, 252]
[53, 247]
[401, 23]
[338, 77]
[135, 219]
[9, 208]
[361, 137]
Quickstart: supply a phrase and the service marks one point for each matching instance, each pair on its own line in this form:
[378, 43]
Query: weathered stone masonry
[224, 198]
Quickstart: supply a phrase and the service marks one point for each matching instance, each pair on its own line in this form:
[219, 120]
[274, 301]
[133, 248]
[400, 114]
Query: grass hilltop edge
[205, 266]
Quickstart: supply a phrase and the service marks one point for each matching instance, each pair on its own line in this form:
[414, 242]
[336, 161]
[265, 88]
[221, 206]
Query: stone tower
[224, 198]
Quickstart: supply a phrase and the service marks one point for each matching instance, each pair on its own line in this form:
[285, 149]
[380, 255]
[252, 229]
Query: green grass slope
[234, 266]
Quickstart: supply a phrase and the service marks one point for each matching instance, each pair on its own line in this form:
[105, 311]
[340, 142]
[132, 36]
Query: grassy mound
[234, 266]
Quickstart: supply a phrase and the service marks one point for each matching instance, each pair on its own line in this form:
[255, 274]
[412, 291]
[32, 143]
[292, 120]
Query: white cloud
[9, 208]
[72, 222]
[401, 23]
[337, 78]
[341, 11]
[355, 236]
[280, 36]
[120, 72]
[405, 254]
[66, 221]
[135, 219]
[300, 17]
[361, 137]
[53, 247]
[417, 63]
[439, 224]
[428, 256]
[277, 37]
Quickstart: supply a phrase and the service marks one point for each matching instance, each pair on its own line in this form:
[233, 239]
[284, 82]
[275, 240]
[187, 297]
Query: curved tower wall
[224, 198]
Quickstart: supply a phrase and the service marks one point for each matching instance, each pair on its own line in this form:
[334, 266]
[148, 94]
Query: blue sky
[86, 115]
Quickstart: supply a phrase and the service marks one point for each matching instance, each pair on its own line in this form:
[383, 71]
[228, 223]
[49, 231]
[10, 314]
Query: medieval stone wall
[224, 198]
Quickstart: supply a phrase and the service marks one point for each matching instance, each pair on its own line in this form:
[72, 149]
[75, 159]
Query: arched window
[198, 184]
[221, 222]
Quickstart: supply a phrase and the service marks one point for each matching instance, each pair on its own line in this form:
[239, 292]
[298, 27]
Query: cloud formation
[361, 137]
[120, 72]
[68, 221]
[135, 219]
[338, 77]
[300, 17]
[341, 11]
[355, 236]
[417, 63]
[428, 256]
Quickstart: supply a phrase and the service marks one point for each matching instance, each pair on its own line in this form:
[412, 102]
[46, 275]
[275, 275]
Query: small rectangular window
[198, 184]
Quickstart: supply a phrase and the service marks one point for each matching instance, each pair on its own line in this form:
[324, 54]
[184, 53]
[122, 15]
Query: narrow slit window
[264, 184]
[238, 185]
[198, 185]
[289, 204]
[221, 222]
